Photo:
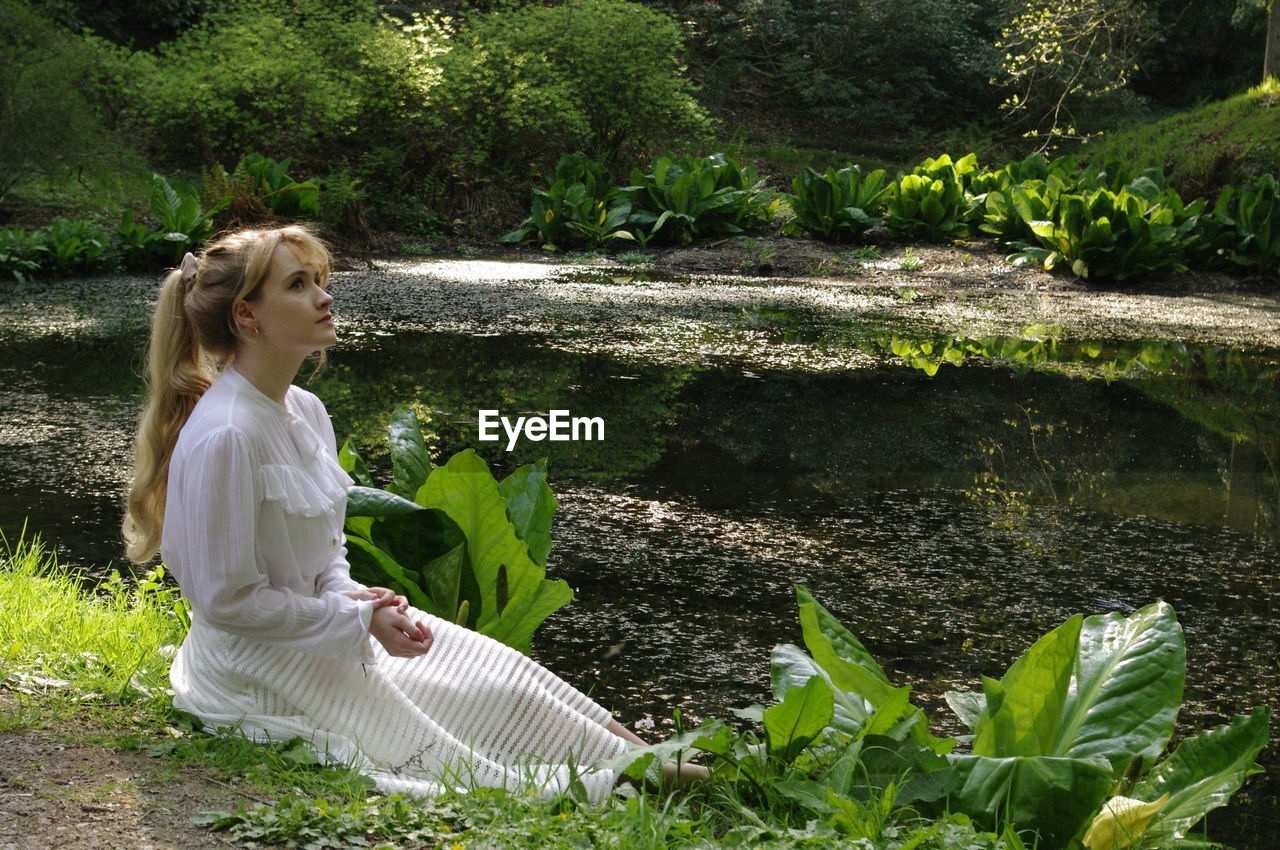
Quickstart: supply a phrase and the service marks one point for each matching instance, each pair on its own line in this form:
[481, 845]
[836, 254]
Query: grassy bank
[1203, 149]
[100, 656]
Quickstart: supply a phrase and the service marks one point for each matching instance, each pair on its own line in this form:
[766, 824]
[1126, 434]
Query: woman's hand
[383, 596]
[400, 636]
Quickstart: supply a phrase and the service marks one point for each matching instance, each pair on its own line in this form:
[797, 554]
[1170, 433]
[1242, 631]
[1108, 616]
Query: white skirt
[471, 712]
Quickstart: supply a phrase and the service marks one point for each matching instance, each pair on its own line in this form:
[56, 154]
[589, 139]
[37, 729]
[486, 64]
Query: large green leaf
[1127, 687]
[530, 507]
[358, 548]
[1022, 714]
[465, 490]
[1202, 773]
[831, 637]
[1055, 797]
[792, 668]
[351, 462]
[411, 463]
[369, 501]
[793, 723]
[443, 577]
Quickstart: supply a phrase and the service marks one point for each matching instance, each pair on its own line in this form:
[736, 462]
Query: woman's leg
[683, 775]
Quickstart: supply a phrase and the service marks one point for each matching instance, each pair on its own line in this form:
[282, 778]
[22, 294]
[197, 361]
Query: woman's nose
[326, 298]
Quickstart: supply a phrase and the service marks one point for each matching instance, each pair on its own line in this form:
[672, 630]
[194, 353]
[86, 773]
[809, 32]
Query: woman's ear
[243, 314]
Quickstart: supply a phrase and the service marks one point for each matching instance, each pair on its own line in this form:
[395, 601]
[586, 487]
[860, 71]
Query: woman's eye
[296, 284]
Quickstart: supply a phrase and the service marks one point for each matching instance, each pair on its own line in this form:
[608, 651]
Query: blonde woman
[237, 485]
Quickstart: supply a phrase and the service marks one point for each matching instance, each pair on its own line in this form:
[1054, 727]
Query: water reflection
[949, 515]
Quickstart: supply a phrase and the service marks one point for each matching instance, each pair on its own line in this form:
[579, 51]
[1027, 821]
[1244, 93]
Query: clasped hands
[399, 635]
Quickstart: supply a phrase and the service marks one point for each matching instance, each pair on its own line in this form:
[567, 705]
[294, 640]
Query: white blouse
[253, 522]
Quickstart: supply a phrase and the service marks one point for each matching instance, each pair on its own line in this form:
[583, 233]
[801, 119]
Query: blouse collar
[246, 388]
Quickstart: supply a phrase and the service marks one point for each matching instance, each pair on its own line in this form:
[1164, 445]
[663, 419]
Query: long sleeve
[211, 526]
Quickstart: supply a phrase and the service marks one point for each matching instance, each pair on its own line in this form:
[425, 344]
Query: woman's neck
[271, 375]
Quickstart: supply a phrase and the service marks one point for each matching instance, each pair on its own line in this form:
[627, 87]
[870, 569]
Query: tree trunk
[1271, 61]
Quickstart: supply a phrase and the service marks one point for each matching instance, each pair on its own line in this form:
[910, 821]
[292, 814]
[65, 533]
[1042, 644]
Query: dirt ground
[58, 792]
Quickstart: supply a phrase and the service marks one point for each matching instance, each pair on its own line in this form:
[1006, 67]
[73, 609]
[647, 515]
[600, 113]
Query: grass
[73, 647]
[1202, 149]
[66, 648]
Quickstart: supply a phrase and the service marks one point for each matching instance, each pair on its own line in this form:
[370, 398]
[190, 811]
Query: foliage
[519, 85]
[182, 219]
[1060, 54]
[51, 118]
[1105, 233]
[580, 206]
[1067, 742]
[302, 77]
[682, 199]
[21, 251]
[61, 641]
[1242, 230]
[850, 64]
[837, 206]
[75, 247]
[268, 181]
[457, 543]
[931, 202]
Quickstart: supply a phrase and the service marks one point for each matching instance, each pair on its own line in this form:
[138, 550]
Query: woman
[237, 485]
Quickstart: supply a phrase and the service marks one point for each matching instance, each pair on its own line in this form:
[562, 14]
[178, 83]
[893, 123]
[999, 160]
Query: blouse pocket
[296, 492]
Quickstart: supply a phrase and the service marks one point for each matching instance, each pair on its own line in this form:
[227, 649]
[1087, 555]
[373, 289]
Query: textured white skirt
[471, 712]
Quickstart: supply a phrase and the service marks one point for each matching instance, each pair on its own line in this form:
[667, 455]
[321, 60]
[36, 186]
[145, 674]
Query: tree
[1271, 61]
[1058, 55]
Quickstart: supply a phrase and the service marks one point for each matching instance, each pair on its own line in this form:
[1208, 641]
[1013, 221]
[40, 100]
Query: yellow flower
[1121, 821]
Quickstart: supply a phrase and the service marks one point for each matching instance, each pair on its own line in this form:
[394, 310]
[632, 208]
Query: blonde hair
[193, 335]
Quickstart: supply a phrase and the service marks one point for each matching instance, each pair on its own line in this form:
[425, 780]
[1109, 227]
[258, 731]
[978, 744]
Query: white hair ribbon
[188, 267]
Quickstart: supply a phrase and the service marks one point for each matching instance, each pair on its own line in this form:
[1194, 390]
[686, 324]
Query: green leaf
[530, 507]
[968, 705]
[1202, 773]
[442, 577]
[465, 490]
[352, 464]
[792, 668]
[792, 724]
[358, 546]
[369, 501]
[1055, 797]
[411, 463]
[1022, 715]
[1127, 688]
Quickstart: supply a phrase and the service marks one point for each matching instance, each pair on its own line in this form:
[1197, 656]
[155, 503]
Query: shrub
[302, 77]
[838, 206]
[50, 120]
[600, 76]
[681, 199]
[1105, 234]
[924, 207]
[21, 252]
[1243, 229]
[580, 206]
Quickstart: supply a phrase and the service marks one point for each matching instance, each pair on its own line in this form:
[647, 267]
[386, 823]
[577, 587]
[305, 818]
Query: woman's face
[291, 312]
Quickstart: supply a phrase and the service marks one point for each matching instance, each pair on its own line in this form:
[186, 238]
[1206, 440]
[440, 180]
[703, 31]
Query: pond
[950, 496]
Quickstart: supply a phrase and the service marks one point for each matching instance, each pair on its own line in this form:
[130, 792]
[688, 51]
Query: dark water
[949, 514]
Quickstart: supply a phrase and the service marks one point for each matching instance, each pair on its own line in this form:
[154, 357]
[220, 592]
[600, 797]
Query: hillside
[1224, 141]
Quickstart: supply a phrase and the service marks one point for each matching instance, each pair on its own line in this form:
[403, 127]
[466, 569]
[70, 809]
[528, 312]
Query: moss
[1203, 149]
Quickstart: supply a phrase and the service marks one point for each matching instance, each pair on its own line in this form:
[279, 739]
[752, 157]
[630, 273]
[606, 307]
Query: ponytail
[176, 379]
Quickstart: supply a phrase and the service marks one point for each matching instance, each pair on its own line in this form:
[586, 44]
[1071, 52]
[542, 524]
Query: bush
[834, 61]
[1242, 231]
[580, 206]
[680, 200]
[51, 122]
[838, 206]
[600, 76]
[303, 78]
